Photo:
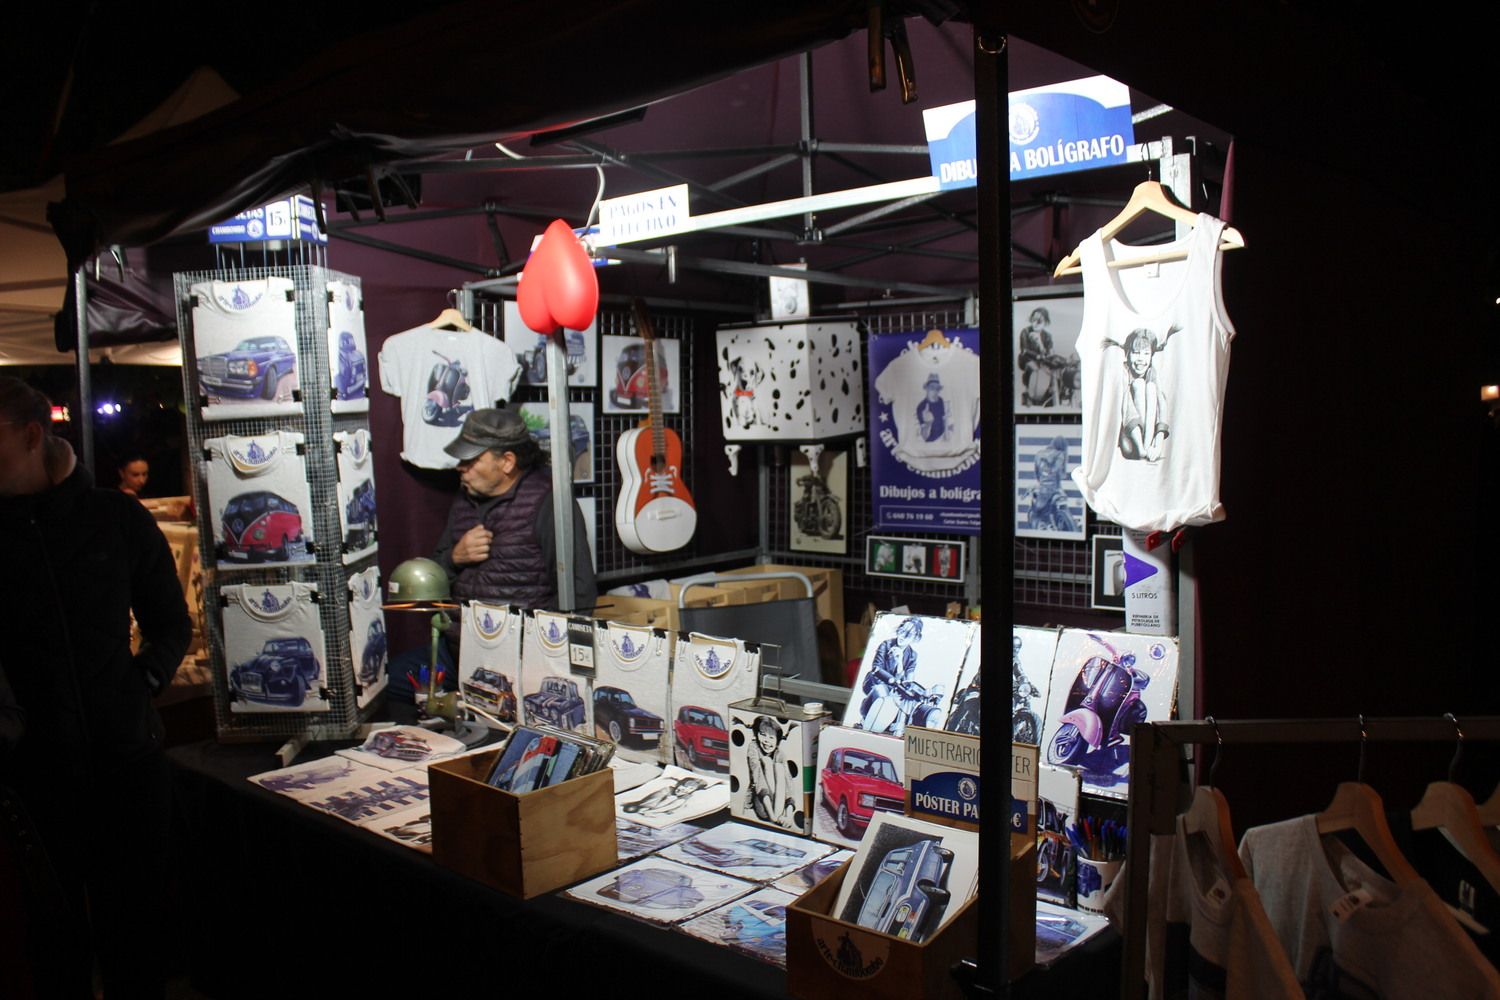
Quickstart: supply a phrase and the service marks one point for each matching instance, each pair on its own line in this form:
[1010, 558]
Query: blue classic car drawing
[909, 893]
[618, 716]
[349, 373]
[556, 702]
[253, 369]
[372, 663]
[280, 674]
[359, 516]
[751, 853]
[653, 888]
[578, 437]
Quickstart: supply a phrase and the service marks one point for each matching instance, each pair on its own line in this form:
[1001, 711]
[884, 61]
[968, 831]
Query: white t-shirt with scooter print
[442, 376]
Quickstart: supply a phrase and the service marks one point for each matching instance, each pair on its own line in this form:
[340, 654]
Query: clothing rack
[1158, 792]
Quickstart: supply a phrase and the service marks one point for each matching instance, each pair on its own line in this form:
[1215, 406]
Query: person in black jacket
[84, 752]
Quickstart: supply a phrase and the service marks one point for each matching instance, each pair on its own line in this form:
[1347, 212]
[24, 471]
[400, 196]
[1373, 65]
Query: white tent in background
[34, 271]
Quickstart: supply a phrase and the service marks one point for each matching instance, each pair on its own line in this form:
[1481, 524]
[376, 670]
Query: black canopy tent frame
[1158, 792]
[120, 197]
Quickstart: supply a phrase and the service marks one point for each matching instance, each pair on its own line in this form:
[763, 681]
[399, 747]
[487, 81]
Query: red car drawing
[855, 784]
[262, 525]
[699, 735]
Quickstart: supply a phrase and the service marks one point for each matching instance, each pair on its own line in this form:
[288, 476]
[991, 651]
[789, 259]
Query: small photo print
[530, 349]
[409, 827]
[947, 562]
[1048, 503]
[913, 559]
[626, 378]
[819, 502]
[883, 556]
[753, 925]
[860, 775]
[661, 891]
[580, 435]
[1046, 365]
[1107, 571]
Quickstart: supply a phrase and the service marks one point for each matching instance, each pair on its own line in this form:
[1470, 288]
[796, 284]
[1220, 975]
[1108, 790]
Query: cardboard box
[524, 845]
[828, 959]
[655, 613]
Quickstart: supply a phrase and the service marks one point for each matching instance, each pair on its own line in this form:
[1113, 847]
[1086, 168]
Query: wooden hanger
[450, 318]
[934, 338]
[1357, 806]
[1148, 196]
[1209, 815]
[1489, 809]
[1450, 808]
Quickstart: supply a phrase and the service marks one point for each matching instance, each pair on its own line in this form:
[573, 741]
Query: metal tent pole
[85, 383]
[996, 546]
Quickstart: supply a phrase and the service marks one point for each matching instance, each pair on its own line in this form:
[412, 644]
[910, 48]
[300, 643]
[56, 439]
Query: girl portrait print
[1144, 427]
[768, 789]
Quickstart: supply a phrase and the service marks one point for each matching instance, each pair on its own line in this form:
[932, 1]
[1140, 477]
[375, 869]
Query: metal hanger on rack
[1357, 807]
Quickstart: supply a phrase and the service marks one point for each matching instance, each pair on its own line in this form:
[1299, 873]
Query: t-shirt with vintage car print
[260, 506]
[245, 348]
[356, 493]
[274, 649]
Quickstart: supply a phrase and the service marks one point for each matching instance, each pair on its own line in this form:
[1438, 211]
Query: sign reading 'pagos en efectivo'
[1076, 125]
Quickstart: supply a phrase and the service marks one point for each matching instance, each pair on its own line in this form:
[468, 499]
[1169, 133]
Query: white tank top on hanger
[1154, 357]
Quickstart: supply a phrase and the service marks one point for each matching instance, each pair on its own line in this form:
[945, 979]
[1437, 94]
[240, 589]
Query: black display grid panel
[613, 562]
[317, 425]
[1048, 572]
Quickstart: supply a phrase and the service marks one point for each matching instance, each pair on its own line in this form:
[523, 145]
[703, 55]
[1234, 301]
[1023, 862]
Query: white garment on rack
[260, 505]
[357, 514]
[368, 646]
[348, 355]
[245, 342]
[269, 631]
[638, 661]
[1207, 934]
[490, 640]
[441, 377]
[548, 684]
[710, 673]
[1350, 932]
[1154, 360]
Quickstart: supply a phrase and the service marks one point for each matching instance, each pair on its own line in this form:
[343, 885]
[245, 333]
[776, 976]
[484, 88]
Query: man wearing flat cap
[499, 545]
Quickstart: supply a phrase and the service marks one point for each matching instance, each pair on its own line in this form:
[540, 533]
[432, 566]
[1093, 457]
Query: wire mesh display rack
[317, 425]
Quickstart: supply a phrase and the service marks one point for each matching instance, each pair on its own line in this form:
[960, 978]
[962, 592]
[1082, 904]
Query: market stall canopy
[131, 318]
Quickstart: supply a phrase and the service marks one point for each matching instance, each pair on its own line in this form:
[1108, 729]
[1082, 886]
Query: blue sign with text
[294, 218]
[1077, 125]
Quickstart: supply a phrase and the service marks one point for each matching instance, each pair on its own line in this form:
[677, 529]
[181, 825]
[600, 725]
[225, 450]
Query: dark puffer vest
[516, 571]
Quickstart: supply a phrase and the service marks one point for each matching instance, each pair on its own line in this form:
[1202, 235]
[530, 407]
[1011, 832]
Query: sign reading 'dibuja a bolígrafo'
[1062, 127]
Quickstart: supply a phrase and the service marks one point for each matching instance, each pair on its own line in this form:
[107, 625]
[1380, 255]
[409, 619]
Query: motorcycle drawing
[1053, 382]
[1049, 510]
[892, 704]
[1025, 725]
[1103, 706]
[534, 361]
[817, 511]
[447, 388]
[965, 718]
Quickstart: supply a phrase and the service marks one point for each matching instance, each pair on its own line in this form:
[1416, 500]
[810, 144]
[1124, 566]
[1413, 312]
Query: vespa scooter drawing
[1103, 706]
[447, 388]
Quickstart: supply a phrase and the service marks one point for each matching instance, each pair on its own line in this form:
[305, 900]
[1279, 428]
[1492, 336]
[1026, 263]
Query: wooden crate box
[524, 845]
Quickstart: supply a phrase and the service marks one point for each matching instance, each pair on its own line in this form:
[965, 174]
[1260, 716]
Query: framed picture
[819, 502]
[1107, 572]
[580, 441]
[1048, 503]
[1046, 361]
[625, 387]
[530, 349]
[915, 558]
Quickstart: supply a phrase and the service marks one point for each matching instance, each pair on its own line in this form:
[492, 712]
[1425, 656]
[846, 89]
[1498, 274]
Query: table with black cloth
[283, 900]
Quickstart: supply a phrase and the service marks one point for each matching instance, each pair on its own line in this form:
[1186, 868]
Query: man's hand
[473, 547]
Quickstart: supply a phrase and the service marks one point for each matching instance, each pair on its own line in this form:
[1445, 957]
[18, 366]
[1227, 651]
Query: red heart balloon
[531, 296]
[568, 279]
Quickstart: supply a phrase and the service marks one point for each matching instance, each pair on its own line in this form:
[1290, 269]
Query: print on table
[746, 851]
[753, 925]
[661, 891]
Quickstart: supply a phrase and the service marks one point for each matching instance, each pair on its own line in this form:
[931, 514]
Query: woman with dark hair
[87, 761]
[133, 471]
